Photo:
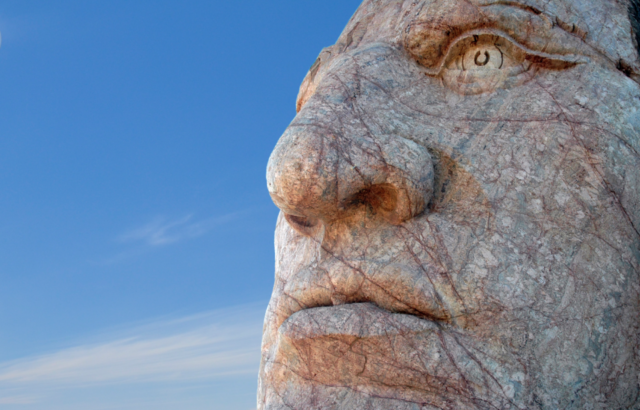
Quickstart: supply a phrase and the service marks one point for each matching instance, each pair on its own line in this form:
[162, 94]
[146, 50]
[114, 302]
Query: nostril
[304, 225]
[301, 221]
[386, 200]
[381, 198]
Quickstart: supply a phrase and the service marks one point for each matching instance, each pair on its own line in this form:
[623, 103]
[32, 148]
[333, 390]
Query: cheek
[294, 251]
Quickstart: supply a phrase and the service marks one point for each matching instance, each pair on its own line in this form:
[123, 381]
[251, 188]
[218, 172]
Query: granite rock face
[461, 212]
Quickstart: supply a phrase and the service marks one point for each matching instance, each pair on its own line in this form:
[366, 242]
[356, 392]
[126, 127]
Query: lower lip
[360, 320]
[361, 346]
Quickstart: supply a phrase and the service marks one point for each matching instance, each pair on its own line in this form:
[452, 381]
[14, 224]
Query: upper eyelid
[571, 28]
[429, 36]
[568, 58]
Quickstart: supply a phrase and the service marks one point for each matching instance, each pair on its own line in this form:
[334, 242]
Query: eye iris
[482, 57]
[484, 62]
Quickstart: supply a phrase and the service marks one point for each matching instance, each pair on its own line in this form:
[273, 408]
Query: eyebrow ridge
[516, 4]
[569, 28]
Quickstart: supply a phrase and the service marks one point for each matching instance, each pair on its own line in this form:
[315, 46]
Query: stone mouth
[396, 289]
[404, 308]
[364, 350]
[358, 320]
[362, 347]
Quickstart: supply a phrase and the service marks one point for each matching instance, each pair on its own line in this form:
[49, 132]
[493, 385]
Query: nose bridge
[329, 160]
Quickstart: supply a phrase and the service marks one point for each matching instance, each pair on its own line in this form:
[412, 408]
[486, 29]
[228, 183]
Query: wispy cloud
[17, 400]
[162, 231]
[195, 348]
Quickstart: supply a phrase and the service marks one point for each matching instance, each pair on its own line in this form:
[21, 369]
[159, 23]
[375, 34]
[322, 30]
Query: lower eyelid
[470, 83]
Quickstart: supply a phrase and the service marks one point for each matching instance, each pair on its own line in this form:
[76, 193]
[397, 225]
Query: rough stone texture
[461, 213]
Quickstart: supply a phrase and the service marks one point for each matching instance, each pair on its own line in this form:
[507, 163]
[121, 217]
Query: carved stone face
[460, 196]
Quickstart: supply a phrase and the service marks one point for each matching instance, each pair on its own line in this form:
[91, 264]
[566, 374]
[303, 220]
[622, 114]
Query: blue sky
[136, 231]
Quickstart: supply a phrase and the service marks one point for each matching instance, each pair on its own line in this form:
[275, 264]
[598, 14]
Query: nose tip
[301, 175]
[315, 174]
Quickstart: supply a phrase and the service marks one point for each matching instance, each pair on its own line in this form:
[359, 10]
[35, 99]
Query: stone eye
[483, 63]
[486, 62]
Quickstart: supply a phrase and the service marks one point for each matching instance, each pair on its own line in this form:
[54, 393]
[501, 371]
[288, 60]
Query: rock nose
[317, 173]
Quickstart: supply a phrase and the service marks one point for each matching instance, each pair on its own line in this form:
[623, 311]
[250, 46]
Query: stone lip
[360, 320]
[360, 350]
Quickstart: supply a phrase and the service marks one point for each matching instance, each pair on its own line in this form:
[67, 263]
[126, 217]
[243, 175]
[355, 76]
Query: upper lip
[395, 288]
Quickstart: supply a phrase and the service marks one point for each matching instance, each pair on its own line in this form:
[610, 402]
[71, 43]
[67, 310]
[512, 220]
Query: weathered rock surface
[461, 212]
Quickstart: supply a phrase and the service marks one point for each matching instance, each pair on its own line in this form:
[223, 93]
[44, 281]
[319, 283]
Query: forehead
[602, 25]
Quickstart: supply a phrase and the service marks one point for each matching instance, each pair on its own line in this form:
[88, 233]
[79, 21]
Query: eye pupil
[482, 62]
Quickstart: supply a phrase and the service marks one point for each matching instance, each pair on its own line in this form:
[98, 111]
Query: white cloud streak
[161, 231]
[196, 348]
[16, 400]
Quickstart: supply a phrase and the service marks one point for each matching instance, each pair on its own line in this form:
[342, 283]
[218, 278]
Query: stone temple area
[460, 212]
